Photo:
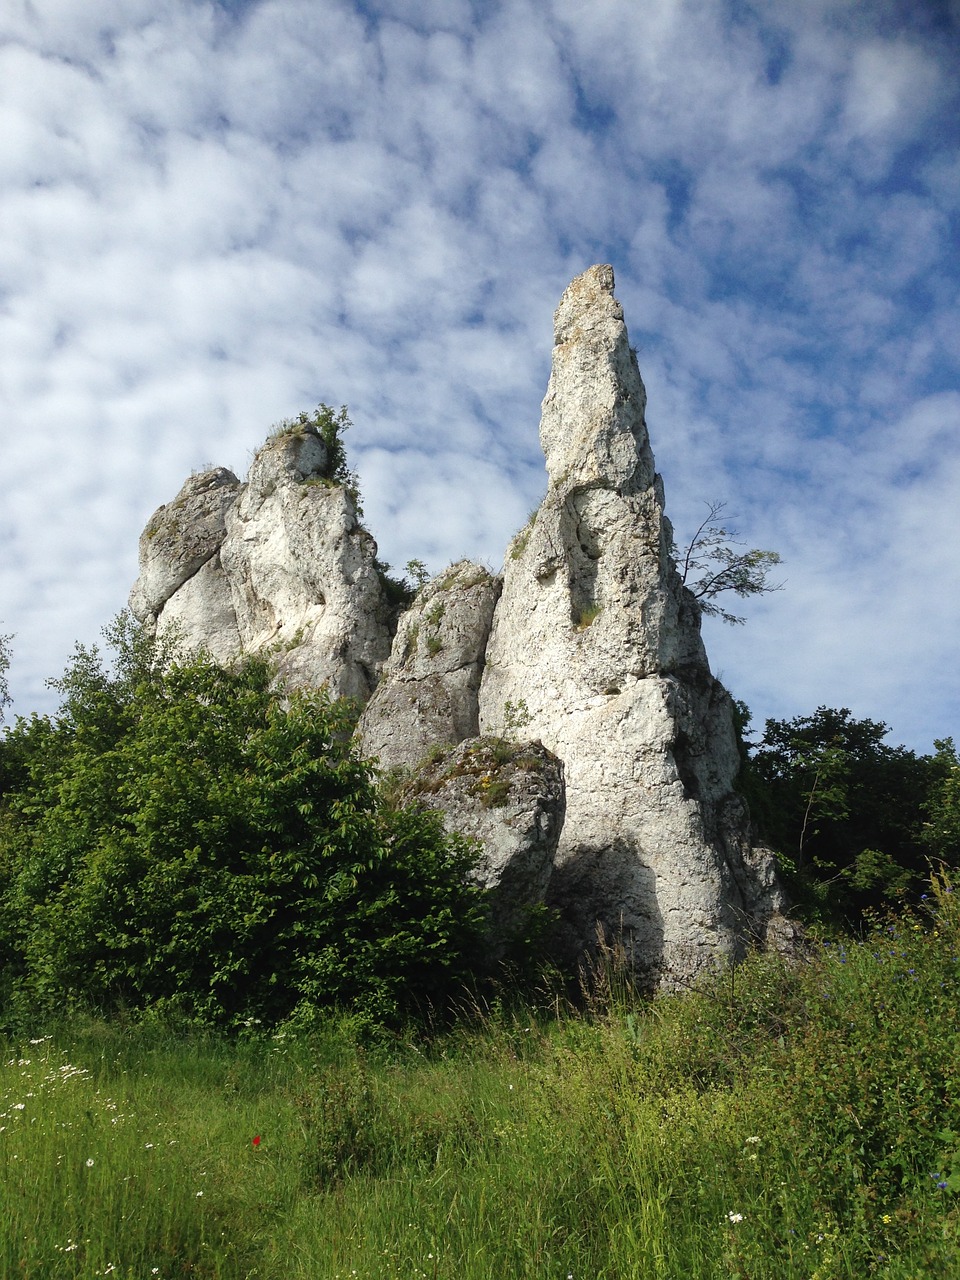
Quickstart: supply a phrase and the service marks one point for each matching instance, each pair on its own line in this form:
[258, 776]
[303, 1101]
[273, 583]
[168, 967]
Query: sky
[216, 213]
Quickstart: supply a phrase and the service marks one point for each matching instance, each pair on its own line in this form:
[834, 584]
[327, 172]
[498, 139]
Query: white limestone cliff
[279, 566]
[429, 691]
[596, 635]
[509, 798]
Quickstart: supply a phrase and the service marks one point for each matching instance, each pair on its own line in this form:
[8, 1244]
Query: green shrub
[195, 839]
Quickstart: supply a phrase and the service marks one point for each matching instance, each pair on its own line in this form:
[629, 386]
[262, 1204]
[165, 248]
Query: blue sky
[214, 215]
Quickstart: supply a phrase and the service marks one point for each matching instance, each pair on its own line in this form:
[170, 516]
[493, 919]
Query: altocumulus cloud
[215, 214]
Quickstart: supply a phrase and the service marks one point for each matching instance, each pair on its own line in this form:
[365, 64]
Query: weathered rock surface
[278, 565]
[508, 796]
[428, 694]
[596, 635]
[589, 644]
[182, 536]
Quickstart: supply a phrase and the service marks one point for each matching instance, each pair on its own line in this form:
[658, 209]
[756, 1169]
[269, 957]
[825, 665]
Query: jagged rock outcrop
[278, 565]
[509, 797]
[428, 694]
[596, 635]
[590, 644]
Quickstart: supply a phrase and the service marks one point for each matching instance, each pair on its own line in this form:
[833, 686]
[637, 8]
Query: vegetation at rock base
[186, 837]
[790, 1121]
[854, 820]
[225, 961]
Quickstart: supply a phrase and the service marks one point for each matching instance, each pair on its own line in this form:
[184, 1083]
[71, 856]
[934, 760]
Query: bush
[192, 838]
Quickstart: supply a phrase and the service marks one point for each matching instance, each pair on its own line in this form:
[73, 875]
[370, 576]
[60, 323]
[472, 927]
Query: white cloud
[212, 219]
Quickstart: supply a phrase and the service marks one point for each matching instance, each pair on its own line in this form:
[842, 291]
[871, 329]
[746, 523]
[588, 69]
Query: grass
[787, 1121]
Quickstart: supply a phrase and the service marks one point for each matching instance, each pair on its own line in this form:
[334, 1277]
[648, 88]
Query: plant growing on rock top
[418, 572]
[330, 424]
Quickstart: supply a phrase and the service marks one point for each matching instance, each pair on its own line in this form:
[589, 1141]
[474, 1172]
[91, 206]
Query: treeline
[856, 823]
[204, 843]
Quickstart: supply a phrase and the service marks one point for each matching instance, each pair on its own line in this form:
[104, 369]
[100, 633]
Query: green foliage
[516, 717]
[418, 572]
[586, 616]
[397, 591]
[711, 565]
[194, 838]
[797, 1120]
[519, 542]
[330, 424]
[842, 808]
[941, 831]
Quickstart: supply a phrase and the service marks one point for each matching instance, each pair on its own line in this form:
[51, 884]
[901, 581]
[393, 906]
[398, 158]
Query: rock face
[590, 645]
[278, 565]
[428, 694]
[595, 634]
[509, 797]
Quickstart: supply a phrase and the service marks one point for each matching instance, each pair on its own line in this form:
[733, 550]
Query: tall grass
[789, 1120]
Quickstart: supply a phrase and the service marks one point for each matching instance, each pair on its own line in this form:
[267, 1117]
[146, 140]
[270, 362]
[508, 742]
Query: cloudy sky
[214, 213]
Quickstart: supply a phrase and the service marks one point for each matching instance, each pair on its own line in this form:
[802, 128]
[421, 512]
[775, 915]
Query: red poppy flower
[256, 1141]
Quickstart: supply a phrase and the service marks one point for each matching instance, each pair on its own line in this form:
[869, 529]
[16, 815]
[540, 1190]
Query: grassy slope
[789, 1122]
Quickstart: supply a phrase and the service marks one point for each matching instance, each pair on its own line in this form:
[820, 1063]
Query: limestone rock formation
[590, 639]
[597, 636]
[428, 694]
[278, 565]
[509, 797]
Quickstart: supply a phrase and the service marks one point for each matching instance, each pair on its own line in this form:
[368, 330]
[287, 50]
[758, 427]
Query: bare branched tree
[4, 664]
[712, 564]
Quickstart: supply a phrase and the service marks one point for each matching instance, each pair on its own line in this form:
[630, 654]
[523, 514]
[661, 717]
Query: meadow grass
[786, 1120]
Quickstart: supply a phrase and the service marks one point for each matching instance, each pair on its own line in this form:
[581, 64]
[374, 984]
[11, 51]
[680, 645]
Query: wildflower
[199, 1194]
[752, 1140]
[90, 1163]
[256, 1141]
[734, 1217]
[886, 1218]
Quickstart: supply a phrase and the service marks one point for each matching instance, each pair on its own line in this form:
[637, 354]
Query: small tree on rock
[712, 564]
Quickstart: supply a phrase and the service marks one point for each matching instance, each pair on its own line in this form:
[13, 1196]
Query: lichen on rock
[508, 797]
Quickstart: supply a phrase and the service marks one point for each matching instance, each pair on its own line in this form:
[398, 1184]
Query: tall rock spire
[597, 638]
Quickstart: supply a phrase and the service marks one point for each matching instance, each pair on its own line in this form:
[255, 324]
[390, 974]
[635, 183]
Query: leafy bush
[193, 838]
[845, 810]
